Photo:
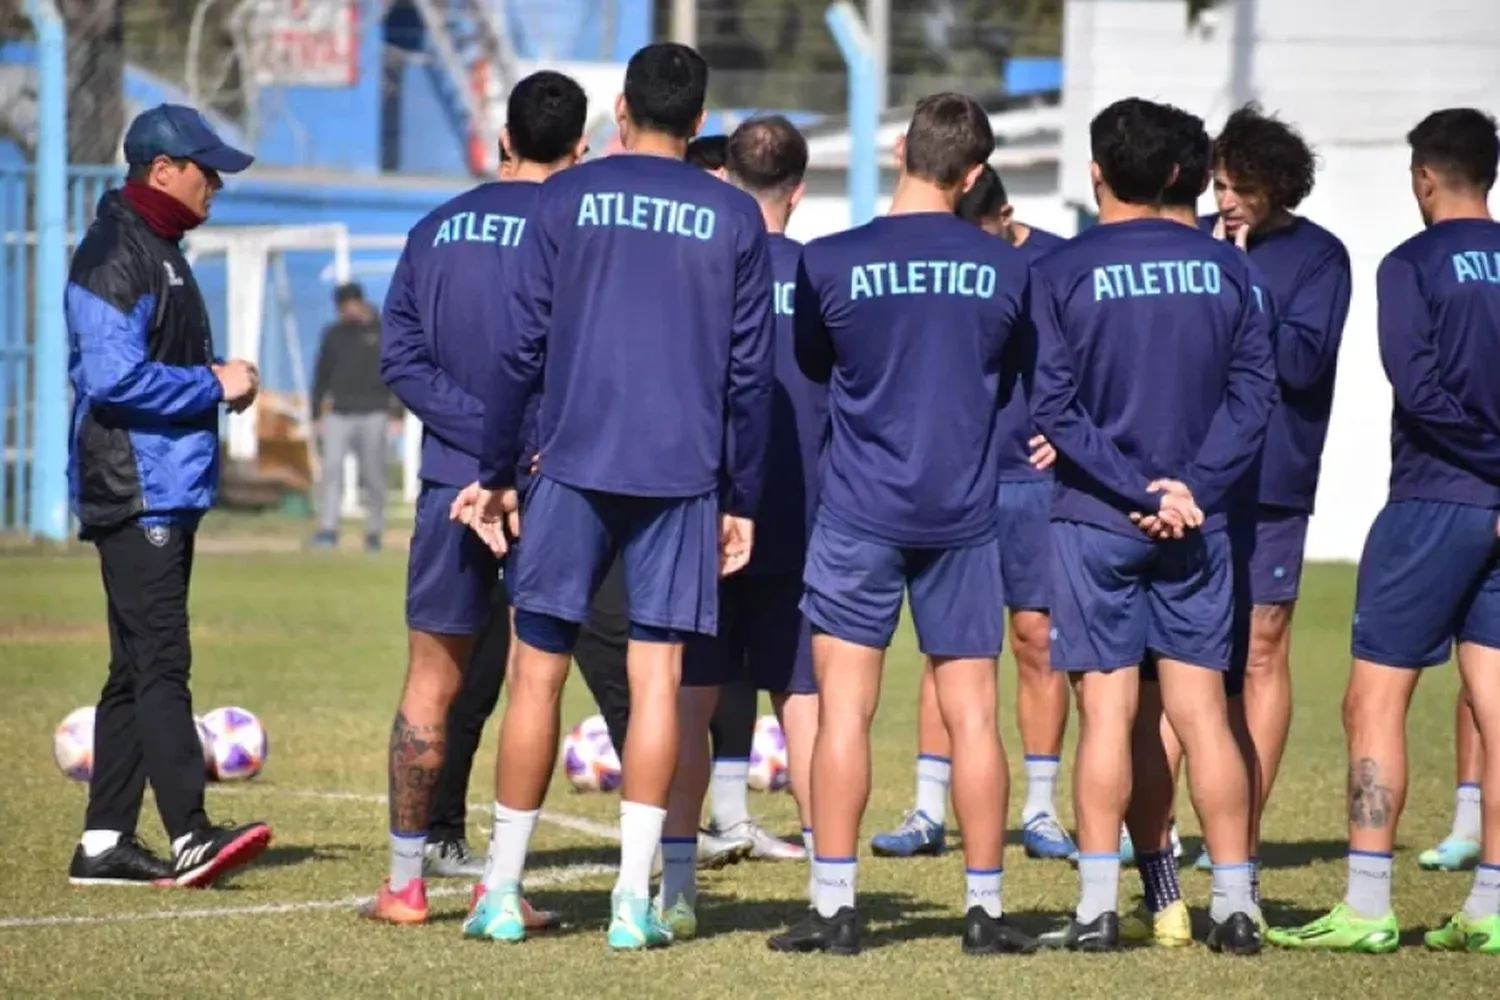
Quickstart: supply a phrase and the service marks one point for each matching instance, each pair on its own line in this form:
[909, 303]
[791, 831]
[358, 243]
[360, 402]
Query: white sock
[1041, 784]
[729, 797]
[406, 858]
[812, 883]
[933, 774]
[1468, 814]
[985, 889]
[833, 884]
[96, 842]
[510, 839]
[679, 870]
[1369, 893]
[1484, 898]
[640, 836]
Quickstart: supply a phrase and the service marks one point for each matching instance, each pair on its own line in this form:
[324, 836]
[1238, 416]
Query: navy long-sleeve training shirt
[644, 299]
[1153, 361]
[1439, 310]
[917, 322]
[1307, 272]
[1015, 428]
[799, 430]
[443, 320]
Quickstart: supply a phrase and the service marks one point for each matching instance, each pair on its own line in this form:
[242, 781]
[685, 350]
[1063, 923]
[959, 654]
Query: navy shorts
[450, 573]
[1114, 598]
[1025, 512]
[670, 550]
[854, 588]
[1276, 560]
[763, 638]
[1429, 574]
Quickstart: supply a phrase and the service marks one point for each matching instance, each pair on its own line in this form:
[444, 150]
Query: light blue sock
[1369, 893]
[833, 884]
[1232, 893]
[407, 850]
[679, 870]
[986, 890]
[1484, 898]
[1099, 883]
[933, 776]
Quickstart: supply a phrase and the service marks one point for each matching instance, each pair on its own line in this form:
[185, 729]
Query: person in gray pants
[352, 409]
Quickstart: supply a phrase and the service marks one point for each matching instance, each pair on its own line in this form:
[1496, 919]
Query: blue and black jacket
[145, 429]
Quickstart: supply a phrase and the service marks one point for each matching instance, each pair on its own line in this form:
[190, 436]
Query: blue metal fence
[25, 406]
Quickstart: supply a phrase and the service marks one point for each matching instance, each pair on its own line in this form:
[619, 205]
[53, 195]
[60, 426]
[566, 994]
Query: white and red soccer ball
[237, 744]
[73, 744]
[768, 765]
[589, 757]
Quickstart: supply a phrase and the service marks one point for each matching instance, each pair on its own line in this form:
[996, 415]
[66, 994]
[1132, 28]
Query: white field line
[605, 831]
[545, 877]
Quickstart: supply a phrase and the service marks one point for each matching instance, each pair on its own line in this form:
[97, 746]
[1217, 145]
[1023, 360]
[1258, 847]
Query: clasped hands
[1178, 513]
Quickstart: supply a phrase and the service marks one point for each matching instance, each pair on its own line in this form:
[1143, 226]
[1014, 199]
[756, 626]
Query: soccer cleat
[1238, 935]
[1204, 862]
[635, 925]
[372, 543]
[763, 844]
[1100, 934]
[916, 835]
[1341, 929]
[679, 918]
[1127, 847]
[211, 853]
[717, 851]
[405, 908]
[1463, 933]
[1176, 842]
[1454, 854]
[1171, 928]
[987, 935]
[835, 935]
[324, 540]
[126, 863]
[452, 859]
[1043, 837]
[499, 915]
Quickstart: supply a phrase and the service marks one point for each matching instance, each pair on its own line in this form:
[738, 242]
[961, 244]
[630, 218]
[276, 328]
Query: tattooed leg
[419, 736]
[1375, 708]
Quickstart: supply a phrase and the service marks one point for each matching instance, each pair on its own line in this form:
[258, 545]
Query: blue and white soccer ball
[238, 744]
[589, 757]
[768, 764]
[73, 744]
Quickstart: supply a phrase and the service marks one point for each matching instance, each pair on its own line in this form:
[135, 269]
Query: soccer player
[451, 282]
[763, 637]
[646, 303]
[917, 322]
[1140, 557]
[143, 470]
[1459, 850]
[1162, 917]
[1430, 570]
[1042, 696]
[731, 830]
[1263, 170]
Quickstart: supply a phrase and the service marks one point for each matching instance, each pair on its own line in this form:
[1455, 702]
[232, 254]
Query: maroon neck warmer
[163, 215]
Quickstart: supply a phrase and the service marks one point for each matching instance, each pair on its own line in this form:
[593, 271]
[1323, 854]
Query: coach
[143, 469]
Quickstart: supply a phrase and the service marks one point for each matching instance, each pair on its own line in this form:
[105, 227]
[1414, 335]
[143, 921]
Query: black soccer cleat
[1238, 935]
[987, 935]
[1098, 935]
[210, 853]
[836, 935]
[127, 863]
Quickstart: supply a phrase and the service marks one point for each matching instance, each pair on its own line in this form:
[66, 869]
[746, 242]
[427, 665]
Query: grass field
[315, 646]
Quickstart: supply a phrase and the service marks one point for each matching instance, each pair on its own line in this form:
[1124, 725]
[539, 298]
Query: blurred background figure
[351, 410]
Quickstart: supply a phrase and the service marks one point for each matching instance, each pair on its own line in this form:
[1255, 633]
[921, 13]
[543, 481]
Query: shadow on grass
[1280, 854]
[290, 855]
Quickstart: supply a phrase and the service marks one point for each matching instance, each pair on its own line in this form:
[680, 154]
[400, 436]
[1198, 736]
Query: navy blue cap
[181, 133]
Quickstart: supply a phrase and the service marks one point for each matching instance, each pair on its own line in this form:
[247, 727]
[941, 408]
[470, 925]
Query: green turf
[314, 646]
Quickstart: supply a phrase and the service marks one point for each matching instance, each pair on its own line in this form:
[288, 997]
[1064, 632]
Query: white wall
[1354, 76]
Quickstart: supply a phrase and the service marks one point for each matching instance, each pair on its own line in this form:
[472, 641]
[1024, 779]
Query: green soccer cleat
[497, 915]
[1461, 933]
[680, 919]
[1454, 854]
[1341, 930]
[635, 926]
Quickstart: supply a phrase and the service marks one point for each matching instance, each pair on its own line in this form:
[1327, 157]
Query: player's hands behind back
[736, 538]
[1178, 513]
[488, 513]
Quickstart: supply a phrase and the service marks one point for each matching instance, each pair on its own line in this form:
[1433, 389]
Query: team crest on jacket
[157, 534]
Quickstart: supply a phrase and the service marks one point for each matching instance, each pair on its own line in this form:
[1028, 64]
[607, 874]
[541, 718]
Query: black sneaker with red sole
[212, 853]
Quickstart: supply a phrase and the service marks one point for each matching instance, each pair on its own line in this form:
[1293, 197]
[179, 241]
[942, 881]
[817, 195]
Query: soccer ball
[238, 742]
[73, 744]
[768, 771]
[589, 758]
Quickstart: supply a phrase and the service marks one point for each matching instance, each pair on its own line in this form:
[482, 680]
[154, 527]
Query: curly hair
[1261, 152]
